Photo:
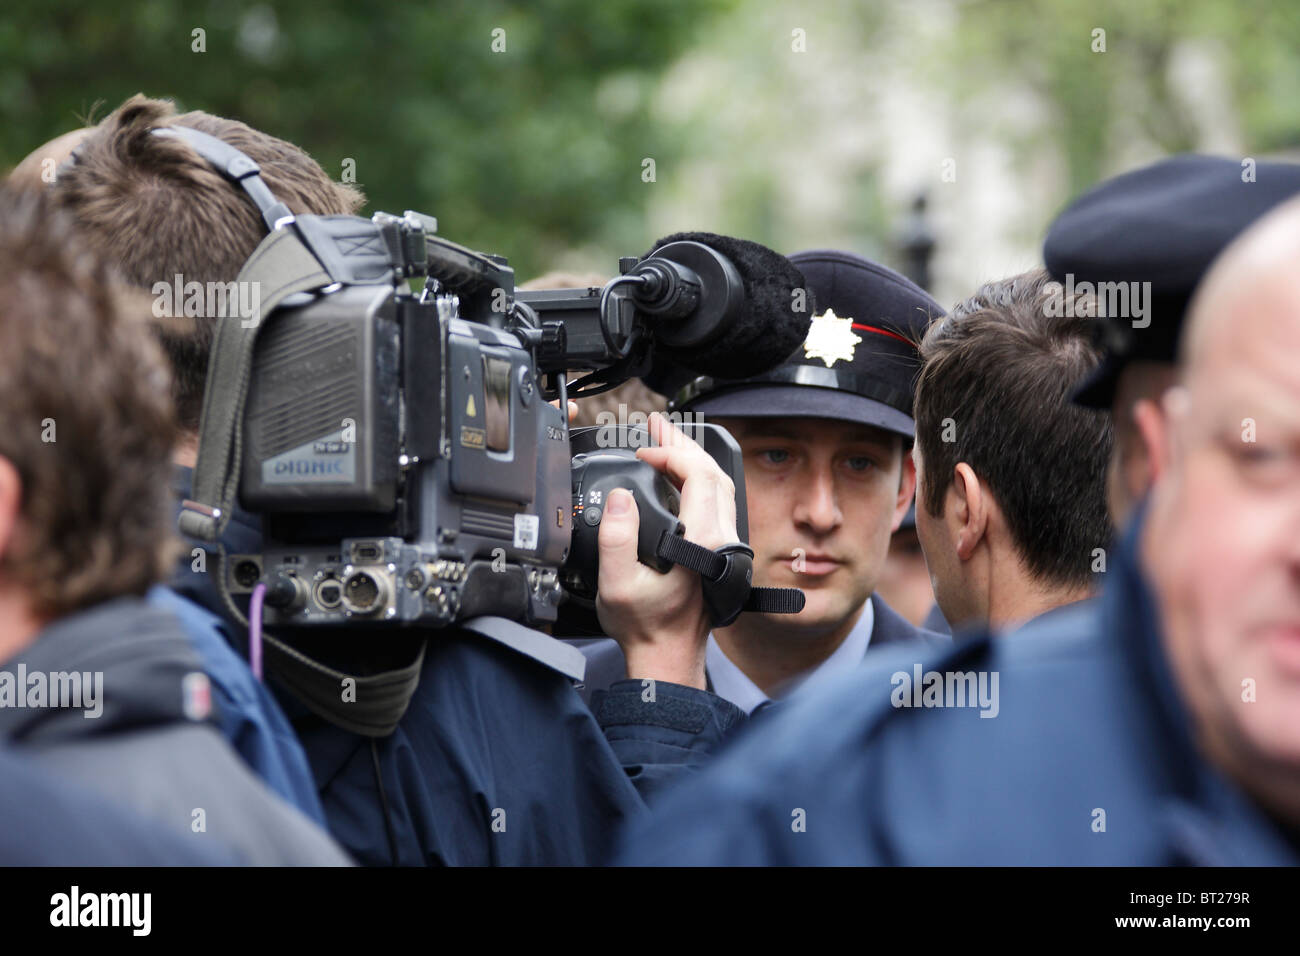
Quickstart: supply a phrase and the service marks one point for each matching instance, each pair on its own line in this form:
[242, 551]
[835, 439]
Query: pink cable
[255, 631]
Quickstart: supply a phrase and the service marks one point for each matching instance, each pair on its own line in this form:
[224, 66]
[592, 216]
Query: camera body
[410, 470]
[405, 463]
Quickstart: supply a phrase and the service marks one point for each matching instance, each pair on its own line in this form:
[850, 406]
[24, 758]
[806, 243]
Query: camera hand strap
[726, 575]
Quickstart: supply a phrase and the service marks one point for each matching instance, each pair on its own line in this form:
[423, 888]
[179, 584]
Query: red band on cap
[879, 331]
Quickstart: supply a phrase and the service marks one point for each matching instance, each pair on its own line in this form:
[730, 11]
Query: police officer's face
[1222, 543]
[824, 497]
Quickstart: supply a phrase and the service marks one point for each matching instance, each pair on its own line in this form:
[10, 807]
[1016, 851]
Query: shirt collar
[731, 683]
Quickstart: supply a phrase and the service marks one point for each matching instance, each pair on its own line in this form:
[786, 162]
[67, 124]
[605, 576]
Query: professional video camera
[401, 448]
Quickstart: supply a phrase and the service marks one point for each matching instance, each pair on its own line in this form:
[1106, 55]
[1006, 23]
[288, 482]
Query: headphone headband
[235, 166]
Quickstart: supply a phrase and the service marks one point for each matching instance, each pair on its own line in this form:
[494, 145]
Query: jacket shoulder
[170, 774]
[47, 821]
[923, 774]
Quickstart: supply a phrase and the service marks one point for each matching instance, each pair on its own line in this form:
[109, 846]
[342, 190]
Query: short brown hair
[1002, 366]
[84, 391]
[156, 209]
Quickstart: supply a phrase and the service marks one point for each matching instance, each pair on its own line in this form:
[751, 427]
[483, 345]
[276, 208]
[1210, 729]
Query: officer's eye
[774, 456]
[860, 463]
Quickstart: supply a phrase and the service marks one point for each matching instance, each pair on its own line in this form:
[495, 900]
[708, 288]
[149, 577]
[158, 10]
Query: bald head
[1221, 544]
[1253, 289]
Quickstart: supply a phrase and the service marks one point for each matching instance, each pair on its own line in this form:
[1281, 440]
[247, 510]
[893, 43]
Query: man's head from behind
[84, 454]
[1221, 545]
[1144, 240]
[155, 209]
[1011, 498]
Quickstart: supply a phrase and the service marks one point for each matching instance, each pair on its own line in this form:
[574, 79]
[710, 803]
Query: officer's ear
[1153, 424]
[971, 511]
[906, 486]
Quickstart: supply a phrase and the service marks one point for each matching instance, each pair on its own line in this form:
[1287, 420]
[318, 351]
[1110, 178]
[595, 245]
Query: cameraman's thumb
[619, 525]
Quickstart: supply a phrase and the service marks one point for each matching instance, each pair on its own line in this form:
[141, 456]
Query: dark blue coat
[1090, 731]
[497, 760]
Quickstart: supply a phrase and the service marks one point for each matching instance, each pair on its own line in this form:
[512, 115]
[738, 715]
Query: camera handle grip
[657, 503]
[726, 574]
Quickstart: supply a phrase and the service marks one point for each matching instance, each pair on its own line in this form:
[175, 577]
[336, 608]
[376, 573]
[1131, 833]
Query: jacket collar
[890, 627]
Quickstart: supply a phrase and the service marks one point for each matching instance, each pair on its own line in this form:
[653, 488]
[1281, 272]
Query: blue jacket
[146, 746]
[244, 710]
[497, 760]
[248, 715]
[1089, 760]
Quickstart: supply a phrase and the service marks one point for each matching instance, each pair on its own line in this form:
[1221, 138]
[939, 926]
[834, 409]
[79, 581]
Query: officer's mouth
[813, 565]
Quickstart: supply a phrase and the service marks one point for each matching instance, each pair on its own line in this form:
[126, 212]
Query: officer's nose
[817, 508]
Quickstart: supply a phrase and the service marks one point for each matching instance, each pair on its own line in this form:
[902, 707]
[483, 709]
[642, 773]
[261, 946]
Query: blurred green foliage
[537, 151]
[1097, 98]
[524, 152]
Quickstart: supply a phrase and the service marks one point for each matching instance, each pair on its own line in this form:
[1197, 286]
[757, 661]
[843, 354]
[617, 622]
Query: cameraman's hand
[660, 619]
[573, 409]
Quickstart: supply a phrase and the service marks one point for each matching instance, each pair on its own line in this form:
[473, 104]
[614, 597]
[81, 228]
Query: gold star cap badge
[830, 338]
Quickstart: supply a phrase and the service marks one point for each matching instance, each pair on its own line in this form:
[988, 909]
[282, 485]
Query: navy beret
[859, 362]
[1163, 224]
